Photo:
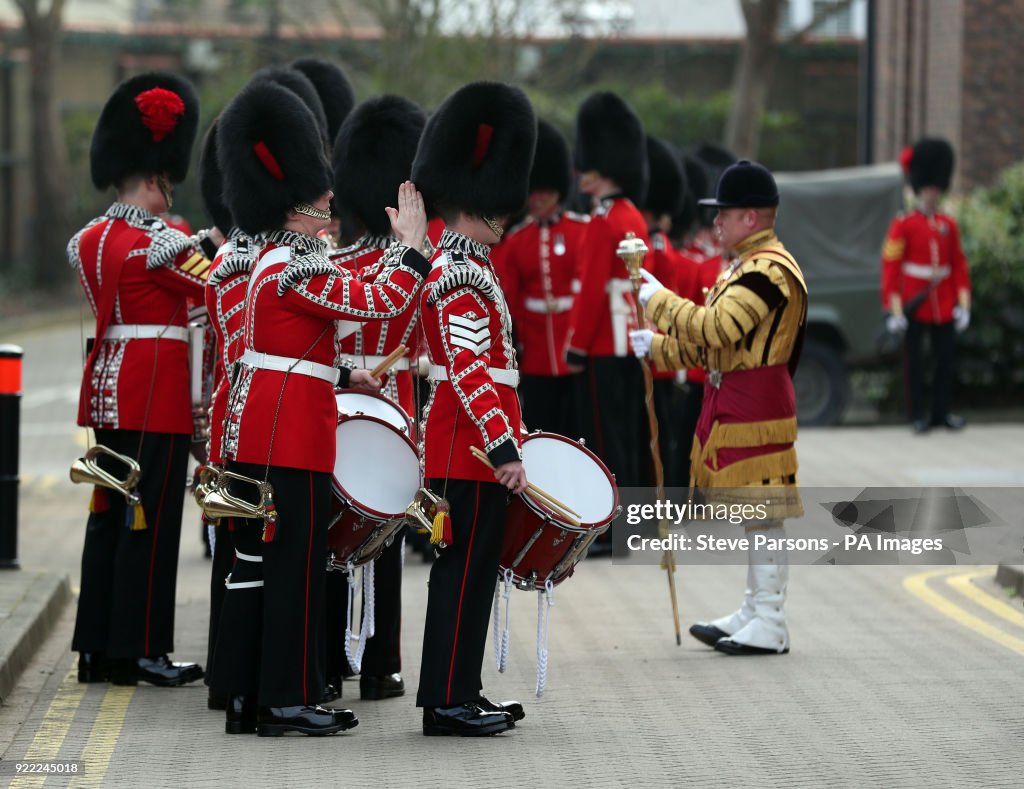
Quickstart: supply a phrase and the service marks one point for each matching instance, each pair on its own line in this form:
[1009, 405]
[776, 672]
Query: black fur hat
[334, 89]
[373, 155]
[745, 184]
[715, 159]
[211, 183]
[610, 139]
[931, 164]
[302, 86]
[552, 168]
[667, 186]
[476, 150]
[271, 156]
[147, 127]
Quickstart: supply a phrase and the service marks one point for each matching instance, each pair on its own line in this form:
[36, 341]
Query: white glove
[640, 341]
[895, 324]
[649, 288]
[961, 319]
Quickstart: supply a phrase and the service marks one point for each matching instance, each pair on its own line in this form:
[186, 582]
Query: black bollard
[10, 417]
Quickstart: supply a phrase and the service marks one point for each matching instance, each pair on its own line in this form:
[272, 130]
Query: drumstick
[389, 360]
[561, 509]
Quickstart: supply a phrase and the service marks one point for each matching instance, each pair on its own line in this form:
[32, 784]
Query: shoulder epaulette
[604, 207]
[459, 272]
[238, 260]
[577, 217]
[165, 243]
[345, 254]
[74, 258]
[305, 263]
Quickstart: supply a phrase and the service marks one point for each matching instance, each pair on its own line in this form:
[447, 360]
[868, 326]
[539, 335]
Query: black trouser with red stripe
[290, 656]
[460, 593]
[126, 605]
[941, 336]
[611, 416]
[383, 653]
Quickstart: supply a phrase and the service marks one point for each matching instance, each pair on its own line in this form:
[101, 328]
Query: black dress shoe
[513, 708]
[730, 647]
[464, 720]
[241, 715]
[376, 688]
[708, 634]
[949, 421]
[315, 721]
[332, 692]
[921, 426]
[216, 701]
[157, 670]
[92, 667]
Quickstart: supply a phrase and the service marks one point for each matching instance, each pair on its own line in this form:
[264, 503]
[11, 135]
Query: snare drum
[539, 546]
[376, 476]
[351, 403]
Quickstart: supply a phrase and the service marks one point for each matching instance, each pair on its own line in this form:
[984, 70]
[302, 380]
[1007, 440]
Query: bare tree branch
[824, 13]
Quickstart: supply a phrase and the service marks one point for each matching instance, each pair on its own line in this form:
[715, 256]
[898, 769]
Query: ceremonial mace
[632, 250]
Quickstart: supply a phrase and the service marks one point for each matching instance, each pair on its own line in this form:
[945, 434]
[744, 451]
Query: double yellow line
[963, 584]
[55, 725]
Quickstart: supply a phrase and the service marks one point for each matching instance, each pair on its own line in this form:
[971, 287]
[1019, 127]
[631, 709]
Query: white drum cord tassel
[211, 536]
[367, 625]
[507, 594]
[353, 665]
[543, 620]
[496, 623]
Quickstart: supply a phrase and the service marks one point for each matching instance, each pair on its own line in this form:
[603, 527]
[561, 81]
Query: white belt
[549, 306]
[229, 584]
[247, 557]
[369, 362]
[141, 331]
[499, 375]
[926, 271]
[284, 364]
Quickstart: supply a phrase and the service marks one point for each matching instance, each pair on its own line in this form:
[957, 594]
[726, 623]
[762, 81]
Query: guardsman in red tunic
[537, 265]
[138, 275]
[473, 165]
[281, 411]
[665, 194]
[373, 155]
[926, 287]
[611, 155]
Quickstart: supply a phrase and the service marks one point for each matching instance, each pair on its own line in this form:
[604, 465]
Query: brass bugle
[220, 503]
[87, 470]
[208, 479]
[417, 513]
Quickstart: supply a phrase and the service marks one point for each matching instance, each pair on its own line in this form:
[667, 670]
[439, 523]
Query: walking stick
[632, 250]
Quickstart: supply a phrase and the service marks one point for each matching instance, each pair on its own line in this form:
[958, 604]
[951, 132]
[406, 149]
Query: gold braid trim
[776, 467]
[753, 434]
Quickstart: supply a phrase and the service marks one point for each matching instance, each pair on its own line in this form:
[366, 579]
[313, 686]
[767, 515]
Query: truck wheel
[822, 385]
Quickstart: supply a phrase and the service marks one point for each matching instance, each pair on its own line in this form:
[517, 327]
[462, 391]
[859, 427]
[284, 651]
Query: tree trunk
[752, 77]
[50, 223]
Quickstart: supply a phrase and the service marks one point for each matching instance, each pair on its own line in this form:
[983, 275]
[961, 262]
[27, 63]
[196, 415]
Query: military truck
[834, 223]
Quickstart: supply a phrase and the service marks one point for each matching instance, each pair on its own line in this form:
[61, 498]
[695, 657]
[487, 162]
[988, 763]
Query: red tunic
[295, 295]
[919, 249]
[604, 312]
[225, 304]
[468, 331]
[537, 268]
[377, 339]
[674, 272]
[138, 275]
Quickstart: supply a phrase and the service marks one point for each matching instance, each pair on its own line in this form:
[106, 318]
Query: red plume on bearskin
[147, 126]
[905, 156]
[460, 164]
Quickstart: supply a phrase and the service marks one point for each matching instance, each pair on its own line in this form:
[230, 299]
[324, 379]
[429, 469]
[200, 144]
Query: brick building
[953, 68]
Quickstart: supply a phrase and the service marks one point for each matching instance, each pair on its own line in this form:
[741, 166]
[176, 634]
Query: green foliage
[991, 352]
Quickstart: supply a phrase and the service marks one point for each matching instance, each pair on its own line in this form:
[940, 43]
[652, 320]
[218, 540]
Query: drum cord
[501, 644]
[367, 625]
[543, 620]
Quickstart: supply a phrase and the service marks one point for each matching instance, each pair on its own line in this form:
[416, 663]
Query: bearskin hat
[299, 84]
[271, 156]
[552, 168]
[667, 186]
[610, 139]
[147, 126]
[373, 155]
[931, 164]
[334, 89]
[476, 150]
[211, 183]
[716, 160]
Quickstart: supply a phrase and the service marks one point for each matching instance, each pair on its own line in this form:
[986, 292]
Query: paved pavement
[898, 676]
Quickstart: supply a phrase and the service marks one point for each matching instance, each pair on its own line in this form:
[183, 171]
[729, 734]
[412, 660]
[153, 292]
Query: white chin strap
[311, 210]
